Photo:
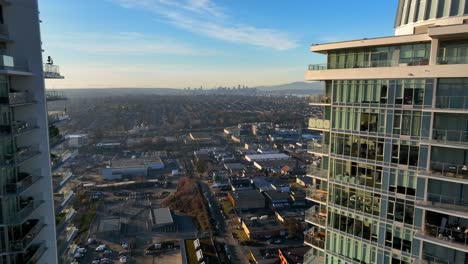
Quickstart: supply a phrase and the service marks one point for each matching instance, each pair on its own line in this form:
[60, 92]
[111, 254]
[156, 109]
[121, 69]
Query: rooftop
[135, 162]
[255, 157]
[162, 216]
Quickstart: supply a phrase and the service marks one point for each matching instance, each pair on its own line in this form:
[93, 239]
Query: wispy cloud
[206, 18]
[124, 43]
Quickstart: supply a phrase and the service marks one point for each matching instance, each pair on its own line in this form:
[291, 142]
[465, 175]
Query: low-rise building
[274, 166]
[239, 184]
[161, 220]
[247, 200]
[119, 168]
[265, 157]
[234, 168]
[277, 200]
[259, 229]
[77, 140]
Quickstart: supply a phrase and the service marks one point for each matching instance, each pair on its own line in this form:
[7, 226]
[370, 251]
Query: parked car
[101, 247]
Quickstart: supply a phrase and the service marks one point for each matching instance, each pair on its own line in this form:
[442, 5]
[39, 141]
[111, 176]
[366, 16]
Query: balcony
[452, 60]
[63, 219]
[58, 158]
[57, 116]
[14, 66]
[319, 124]
[445, 204]
[319, 100]
[34, 253]
[30, 230]
[62, 199]
[316, 216]
[315, 238]
[26, 207]
[52, 71]
[17, 128]
[317, 148]
[22, 154]
[428, 259]
[452, 103]
[448, 172]
[318, 67]
[316, 172]
[55, 96]
[448, 237]
[64, 241]
[450, 137]
[25, 180]
[59, 179]
[315, 194]
[17, 99]
[313, 257]
[4, 34]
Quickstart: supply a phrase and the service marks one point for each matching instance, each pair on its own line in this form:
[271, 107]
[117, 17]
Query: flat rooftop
[274, 156]
[135, 162]
[162, 216]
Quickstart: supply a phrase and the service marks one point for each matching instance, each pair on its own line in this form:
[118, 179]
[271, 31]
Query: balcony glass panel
[452, 93]
[453, 52]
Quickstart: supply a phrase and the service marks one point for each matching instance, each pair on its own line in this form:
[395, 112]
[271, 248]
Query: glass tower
[392, 184]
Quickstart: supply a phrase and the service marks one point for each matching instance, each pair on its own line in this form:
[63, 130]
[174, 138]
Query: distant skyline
[182, 43]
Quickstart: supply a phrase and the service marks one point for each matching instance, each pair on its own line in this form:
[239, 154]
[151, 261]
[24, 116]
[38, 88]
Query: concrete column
[434, 51]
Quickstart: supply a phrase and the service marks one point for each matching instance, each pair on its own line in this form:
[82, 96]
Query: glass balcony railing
[60, 178]
[64, 241]
[11, 63]
[52, 71]
[63, 219]
[315, 238]
[57, 116]
[17, 127]
[62, 199]
[319, 124]
[4, 31]
[429, 259]
[448, 170]
[17, 98]
[26, 207]
[316, 194]
[25, 180]
[318, 148]
[452, 102]
[319, 99]
[452, 60]
[31, 229]
[447, 235]
[19, 156]
[34, 253]
[316, 216]
[448, 136]
[370, 63]
[313, 257]
[55, 96]
[315, 171]
[445, 202]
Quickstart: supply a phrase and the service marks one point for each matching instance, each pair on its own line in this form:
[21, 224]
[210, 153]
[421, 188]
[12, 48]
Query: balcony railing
[63, 218]
[315, 216]
[11, 63]
[314, 193]
[55, 96]
[448, 170]
[17, 127]
[23, 243]
[52, 71]
[312, 257]
[62, 199]
[4, 34]
[315, 171]
[428, 259]
[57, 116]
[452, 102]
[447, 235]
[60, 178]
[318, 123]
[25, 180]
[317, 67]
[34, 253]
[318, 148]
[26, 207]
[65, 240]
[445, 202]
[450, 136]
[17, 98]
[319, 99]
[315, 238]
[452, 60]
[21, 155]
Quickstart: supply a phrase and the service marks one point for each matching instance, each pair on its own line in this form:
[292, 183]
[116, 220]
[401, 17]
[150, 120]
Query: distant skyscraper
[27, 223]
[392, 186]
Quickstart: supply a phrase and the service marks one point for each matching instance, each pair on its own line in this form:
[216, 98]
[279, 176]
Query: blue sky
[182, 43]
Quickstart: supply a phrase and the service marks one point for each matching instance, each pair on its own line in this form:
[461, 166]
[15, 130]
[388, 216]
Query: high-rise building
[27, 223]
[392, 185]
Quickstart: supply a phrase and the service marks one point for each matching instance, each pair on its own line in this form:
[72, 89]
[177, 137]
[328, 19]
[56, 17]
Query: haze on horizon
[193, 43]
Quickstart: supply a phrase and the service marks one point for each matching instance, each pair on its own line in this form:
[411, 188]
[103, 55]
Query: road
[238, 255]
